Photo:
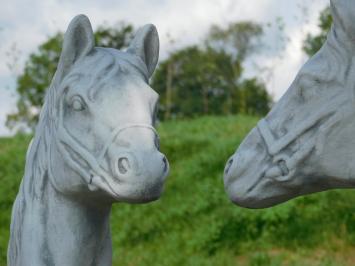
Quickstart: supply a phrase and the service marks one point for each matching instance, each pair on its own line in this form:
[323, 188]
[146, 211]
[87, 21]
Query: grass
[194, 223]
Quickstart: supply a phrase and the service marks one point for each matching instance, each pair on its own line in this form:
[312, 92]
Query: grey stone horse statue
[306, 143]
[95, 144]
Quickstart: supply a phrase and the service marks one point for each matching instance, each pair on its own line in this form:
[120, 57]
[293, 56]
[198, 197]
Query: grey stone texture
[306, 143]
[94, 145]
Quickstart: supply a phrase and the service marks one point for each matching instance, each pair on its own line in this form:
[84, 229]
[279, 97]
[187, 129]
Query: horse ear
[343, 13]
[78, 42]
[146, 45]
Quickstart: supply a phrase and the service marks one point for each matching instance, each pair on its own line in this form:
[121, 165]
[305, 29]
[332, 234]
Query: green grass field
[194, 223]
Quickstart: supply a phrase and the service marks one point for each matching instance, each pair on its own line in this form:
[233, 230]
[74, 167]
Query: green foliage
[117, 36]
[194, 223]
[192, 81]
[32, 84]
[203, 82]
[314, 42]
[241, 39]
[12, 164]
[40, 68]
[254, 99]
[206, 80]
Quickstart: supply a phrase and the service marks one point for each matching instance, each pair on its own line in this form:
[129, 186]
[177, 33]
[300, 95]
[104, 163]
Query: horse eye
[77, 103]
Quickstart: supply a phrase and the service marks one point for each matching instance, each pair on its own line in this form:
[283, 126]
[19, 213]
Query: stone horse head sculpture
[306, 143]
[94, 145]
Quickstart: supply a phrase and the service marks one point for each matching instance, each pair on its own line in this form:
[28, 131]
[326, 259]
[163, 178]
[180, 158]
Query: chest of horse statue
[306, 143]
[95, 144]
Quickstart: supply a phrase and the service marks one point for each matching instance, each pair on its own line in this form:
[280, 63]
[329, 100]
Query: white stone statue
[306, 143]
[95, 144]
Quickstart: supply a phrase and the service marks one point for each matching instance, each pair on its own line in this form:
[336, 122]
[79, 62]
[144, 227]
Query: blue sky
[24, 24]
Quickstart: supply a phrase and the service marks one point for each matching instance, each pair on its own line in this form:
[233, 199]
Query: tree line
[202, 79]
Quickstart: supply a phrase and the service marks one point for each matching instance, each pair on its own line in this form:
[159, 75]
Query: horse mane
[35, 175]
[330, 65]
[331, 62]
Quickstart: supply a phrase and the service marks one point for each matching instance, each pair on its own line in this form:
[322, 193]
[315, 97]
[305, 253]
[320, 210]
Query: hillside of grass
[194, 223]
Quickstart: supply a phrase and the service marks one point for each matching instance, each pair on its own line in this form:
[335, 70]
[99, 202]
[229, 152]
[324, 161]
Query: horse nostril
[165, 161]
[229, 164]
[123, 165]
[283, 167]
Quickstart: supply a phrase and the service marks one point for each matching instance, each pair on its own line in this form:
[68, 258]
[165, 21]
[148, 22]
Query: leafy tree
[256, 99]
[198, 84]
[241, 39]
[192, 81]
[313, 43]
[40, 68]
[117, 36]
[208, 80]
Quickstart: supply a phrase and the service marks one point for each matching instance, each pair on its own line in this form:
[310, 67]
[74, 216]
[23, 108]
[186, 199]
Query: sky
[25, 24]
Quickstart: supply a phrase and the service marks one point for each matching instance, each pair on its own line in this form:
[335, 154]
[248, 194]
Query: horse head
[306, 143]
[102, 114]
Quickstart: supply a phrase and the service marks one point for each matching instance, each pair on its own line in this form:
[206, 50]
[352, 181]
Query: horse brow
[71, 78]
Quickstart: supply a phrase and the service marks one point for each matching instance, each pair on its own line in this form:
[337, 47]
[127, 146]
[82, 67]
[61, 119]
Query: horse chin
[128, 191]
[140, 194]
[265, 194]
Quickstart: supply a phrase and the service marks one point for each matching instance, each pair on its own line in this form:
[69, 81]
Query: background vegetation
[197, 80]
[194, 223]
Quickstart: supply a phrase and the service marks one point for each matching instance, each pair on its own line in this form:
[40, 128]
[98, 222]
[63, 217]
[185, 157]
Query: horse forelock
[101, 67]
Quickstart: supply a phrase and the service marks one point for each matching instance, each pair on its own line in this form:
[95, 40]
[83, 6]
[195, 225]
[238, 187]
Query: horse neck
[48, 227]
[59, 230]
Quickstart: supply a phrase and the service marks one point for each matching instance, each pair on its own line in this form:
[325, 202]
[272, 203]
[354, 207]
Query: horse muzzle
[133, 174]
[251, 176]
[137, 176]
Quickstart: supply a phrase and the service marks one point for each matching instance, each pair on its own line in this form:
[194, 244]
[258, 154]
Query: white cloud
[29, 22]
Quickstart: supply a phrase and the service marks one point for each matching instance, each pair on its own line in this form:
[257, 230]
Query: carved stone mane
[331, 66]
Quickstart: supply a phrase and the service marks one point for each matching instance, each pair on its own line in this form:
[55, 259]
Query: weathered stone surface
[306, 143]
[95, 144]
